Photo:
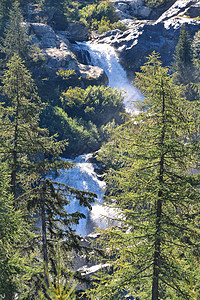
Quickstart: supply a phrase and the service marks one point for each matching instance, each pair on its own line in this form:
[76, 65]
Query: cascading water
[104, 56]
[83, 176]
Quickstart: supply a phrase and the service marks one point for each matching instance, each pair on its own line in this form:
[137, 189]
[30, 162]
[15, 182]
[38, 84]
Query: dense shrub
[93, 13]
[96, 103]
[82, 136]
[155, 3]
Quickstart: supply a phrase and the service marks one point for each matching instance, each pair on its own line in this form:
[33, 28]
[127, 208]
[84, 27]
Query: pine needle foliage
[59, 288]
[183, 66]
[23, 144]
[17, 263]
[15, 39]
[153, 185]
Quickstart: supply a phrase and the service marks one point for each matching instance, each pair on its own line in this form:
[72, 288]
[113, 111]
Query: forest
[149, 161]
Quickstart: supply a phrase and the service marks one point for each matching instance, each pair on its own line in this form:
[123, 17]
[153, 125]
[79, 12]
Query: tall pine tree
[155, 193]
[15, 39]
[31, 154]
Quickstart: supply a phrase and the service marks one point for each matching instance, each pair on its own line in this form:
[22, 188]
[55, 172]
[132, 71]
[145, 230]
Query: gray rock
[144, 12]
[178, 8]
[56, 50]
[132, 8]
[76, 32]
[193, 11]
[93, 75]
[143, 37]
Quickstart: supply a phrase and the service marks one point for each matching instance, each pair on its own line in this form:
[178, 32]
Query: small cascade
[104, 56]
[83, 177]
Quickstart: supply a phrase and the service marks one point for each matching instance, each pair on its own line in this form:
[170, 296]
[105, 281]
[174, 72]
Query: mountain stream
[83, 176]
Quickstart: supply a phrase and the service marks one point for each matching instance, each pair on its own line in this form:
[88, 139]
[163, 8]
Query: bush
[155, 3]
[94, 13]
[82, 136]
[96, 103]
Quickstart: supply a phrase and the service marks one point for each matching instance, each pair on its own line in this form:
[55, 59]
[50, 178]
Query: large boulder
[92, 75]
[52, 16]
[76, 32]
[132, 8]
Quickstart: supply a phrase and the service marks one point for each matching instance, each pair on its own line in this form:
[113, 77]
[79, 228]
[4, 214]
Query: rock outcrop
[161, 35]
[57, 53]
[145, 34]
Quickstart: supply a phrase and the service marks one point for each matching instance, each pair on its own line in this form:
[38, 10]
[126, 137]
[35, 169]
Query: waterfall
[83, 176]
[104, 56]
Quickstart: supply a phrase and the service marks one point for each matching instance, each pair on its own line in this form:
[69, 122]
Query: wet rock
[57, 53]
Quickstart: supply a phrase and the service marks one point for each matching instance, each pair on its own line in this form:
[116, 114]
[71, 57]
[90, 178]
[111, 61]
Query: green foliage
[183, 67]
[4, 11]
[82, 136]
[150, 252]
[16, 265]
[155, 3]
[16, 38]
[30, 154]
[58, 288]
[196, 45]
[104, 25]
[99, 14]
[97, 104]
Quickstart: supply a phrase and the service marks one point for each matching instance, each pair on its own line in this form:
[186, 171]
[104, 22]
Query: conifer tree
[155, 193]
[196, 45]
[16, 265]
[15, 39]
[183, 67]
[31, 154]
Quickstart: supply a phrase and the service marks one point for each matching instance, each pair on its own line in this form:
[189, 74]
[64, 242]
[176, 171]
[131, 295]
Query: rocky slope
[161, 35]
[148, 30]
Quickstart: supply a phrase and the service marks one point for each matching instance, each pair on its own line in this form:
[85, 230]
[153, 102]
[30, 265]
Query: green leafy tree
[156, 195]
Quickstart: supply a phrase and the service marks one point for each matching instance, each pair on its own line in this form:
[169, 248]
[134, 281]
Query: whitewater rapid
[84, 177]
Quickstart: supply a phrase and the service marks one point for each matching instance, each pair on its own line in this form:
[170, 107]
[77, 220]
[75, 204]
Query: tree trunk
[157, 251]
[44, 236]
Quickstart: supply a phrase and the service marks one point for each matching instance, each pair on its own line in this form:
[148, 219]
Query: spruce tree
[156, 195]
[183, 66]
[15, 39]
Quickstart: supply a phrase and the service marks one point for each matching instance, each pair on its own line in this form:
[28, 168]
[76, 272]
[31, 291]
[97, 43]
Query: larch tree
[31, 154]
[152, 185]
[16, 266]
